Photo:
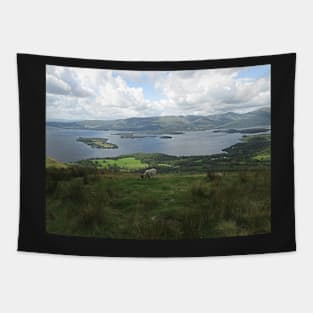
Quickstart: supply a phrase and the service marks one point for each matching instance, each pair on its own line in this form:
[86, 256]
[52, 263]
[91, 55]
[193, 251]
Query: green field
[128, 163]
[263, 156]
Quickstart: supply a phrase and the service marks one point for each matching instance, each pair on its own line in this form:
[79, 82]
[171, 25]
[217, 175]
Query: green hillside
[53, 163]
[220, 195]
[168, 206]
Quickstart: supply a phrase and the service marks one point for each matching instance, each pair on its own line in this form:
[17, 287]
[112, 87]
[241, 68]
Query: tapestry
[156, 159]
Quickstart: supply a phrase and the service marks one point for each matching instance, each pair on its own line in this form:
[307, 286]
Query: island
[132, 136]
[175, 133]
[100, 143]
[242, 131]
[136, 136]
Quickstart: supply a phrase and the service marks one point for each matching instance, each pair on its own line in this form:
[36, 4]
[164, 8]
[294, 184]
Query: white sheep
[149, 173]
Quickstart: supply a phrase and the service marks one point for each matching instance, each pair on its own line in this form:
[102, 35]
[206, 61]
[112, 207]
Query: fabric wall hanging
[187, 158]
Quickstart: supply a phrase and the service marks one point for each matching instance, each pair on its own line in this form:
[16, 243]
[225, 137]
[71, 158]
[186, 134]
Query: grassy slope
[166, 207]
[50, 162]
[181, 202]
[264, 153]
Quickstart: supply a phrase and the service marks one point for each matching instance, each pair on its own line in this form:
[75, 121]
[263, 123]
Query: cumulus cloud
[66, 81]
[80, 93]
[56, 85]
[212, 91]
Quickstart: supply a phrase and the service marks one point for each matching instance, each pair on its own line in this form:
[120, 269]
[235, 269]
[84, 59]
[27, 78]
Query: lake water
[62, 144]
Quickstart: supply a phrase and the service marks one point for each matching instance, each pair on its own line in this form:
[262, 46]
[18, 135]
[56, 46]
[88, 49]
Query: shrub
[51, 185]
[71, 192]
[199, 190]
[243, 177]
[92, 215]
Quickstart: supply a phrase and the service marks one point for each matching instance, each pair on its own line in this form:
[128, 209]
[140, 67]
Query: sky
[98, 94]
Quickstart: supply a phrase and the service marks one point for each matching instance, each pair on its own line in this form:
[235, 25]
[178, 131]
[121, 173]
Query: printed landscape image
[164, 155]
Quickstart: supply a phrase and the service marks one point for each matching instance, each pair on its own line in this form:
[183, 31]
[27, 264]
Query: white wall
[155, 30]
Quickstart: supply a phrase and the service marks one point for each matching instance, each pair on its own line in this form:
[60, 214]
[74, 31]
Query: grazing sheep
[149, 173]
[214, 175]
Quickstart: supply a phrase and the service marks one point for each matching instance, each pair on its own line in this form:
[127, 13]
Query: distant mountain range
[172, 124]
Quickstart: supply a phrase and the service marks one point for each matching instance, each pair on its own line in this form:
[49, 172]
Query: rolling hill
[168, 124]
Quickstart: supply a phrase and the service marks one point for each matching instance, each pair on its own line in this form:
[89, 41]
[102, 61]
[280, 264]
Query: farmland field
[128, 163]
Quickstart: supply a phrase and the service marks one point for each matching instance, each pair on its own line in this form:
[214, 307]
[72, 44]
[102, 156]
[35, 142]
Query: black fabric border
[32, 234]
